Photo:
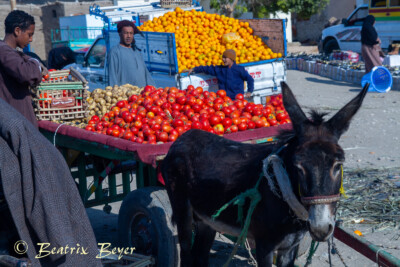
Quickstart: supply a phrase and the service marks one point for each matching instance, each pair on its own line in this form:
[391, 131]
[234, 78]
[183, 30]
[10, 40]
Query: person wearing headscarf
[370, 44]
[125, 61]
[230, 76]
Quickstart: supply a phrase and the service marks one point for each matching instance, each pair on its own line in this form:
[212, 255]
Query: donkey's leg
[287, 257]
[264, 253]
[184, 218]
[203, 241]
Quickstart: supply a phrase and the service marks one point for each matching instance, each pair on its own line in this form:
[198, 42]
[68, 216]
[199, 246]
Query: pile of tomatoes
[162, 115]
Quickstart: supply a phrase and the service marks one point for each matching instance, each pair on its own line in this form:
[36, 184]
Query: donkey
[203, 172]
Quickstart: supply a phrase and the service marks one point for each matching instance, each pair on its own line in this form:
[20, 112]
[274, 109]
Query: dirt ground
[372, 161]
[297, 47]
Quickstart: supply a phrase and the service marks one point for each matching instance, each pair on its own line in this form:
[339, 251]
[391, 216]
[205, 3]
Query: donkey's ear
[296, 114]
[339, 123]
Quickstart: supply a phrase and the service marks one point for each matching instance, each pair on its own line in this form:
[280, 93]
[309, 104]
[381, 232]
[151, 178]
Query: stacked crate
[61, 97]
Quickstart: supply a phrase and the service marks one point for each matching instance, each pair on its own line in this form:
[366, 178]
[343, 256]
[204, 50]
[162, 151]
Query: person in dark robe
[125, 61]
[60, 57]
[370, 44]
[18, 71]
[43, 204]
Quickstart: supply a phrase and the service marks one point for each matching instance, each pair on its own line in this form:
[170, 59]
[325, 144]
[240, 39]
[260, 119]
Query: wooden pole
[13, 4]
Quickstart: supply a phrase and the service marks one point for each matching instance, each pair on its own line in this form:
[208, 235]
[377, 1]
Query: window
[358, 17]
[378, 3]
[97, 54]
[394, 3]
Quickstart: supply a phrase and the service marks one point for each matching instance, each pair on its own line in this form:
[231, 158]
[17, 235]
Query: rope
[252, 259]
[342, 192]
[239, 200]
[334, 248]
[55, 133]
[311, 252]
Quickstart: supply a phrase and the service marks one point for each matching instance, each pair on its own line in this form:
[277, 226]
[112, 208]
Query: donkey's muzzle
[321, 222]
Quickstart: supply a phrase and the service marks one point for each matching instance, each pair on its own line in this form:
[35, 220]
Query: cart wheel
[144, 222]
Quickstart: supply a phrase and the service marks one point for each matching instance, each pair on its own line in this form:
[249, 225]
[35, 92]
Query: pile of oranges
[199, 38]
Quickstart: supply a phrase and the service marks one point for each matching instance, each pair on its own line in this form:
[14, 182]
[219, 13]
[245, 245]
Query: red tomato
[180, 130]
[221, 93]
[281, 116]
[190, 100]
[249, 107]
[199, 90]
[257, 112]
[177, 123]
[89, 128]
[115, 133]
[139, 140]
[95, 118]
[134, 130]
[121, 104]
[242, 126]
[138, 124]
[181, 100]
[218, 106]
[272, 122]
[259, 123]
[133, 98]
[163, 137]
[190, 88]
[196, 125]
[239, 97]
[128, 135]
[227, 122]
[251, 125]
[227, 110]
[218, 128]
[236, 121]
[156, 127]
[215, 119]
[234, 128]
[166, 128]
[205, 125]
[152, 138]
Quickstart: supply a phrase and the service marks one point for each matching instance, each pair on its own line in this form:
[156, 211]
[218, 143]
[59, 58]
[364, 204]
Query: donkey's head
[317, 160]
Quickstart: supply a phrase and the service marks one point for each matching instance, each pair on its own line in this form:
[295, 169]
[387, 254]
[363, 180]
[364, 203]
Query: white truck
[159, 52]
[347, 35]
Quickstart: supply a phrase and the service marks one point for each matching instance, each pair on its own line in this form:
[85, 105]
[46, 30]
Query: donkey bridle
[317, 200]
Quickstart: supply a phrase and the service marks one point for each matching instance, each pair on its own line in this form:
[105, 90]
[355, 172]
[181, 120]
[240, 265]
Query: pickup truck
[347, 35]
[159, 52]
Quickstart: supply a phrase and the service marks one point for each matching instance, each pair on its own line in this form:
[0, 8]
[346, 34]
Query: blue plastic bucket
[379, 78]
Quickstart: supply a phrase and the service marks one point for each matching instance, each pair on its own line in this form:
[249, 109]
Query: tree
[262, 8]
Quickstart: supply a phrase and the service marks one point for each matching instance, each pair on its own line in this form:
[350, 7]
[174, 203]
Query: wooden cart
[144, 220]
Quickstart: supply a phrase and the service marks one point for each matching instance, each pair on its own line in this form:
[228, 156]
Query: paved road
[372, 141]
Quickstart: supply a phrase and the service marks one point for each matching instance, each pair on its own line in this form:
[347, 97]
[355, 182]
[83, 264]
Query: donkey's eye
[300, 169]
[336, 169]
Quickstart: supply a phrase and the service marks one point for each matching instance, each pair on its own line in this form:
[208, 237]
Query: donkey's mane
[316, 119]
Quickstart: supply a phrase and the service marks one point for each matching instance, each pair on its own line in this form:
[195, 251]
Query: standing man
[18, 71]
[230, 76]
[125, 61]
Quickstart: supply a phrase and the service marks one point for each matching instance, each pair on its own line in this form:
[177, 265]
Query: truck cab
[347, 35]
